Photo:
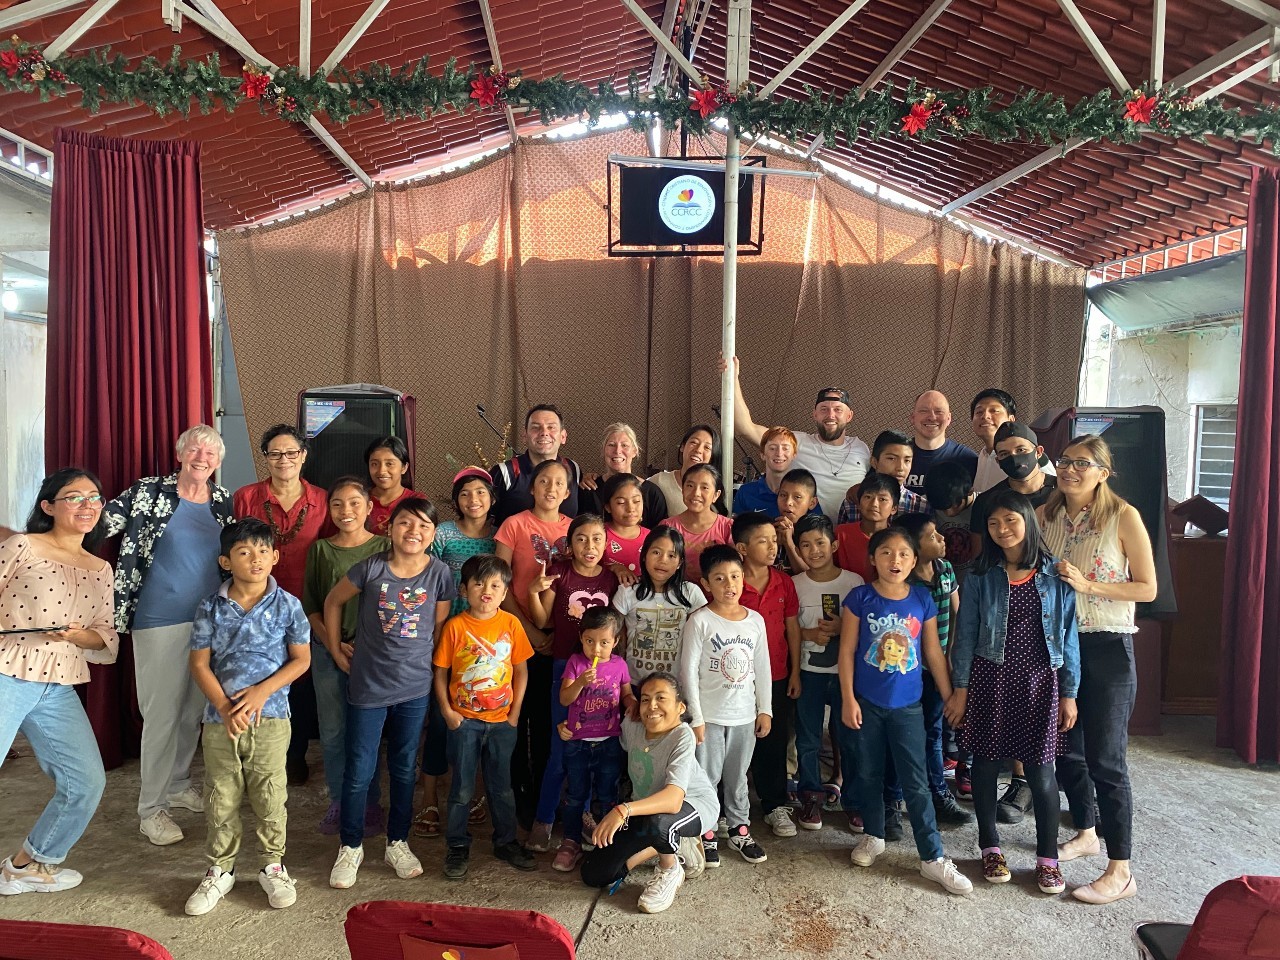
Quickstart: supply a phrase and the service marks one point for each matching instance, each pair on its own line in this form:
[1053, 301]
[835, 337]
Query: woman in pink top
[56, 617]
[700, 525]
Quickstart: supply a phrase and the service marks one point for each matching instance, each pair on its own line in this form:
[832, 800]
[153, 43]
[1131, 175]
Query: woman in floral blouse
[168, 564]
[55, 619]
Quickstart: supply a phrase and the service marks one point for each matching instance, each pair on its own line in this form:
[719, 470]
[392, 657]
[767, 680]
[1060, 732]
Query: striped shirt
[941, 588]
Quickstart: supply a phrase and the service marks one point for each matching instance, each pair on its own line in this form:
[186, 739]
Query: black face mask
[1018, 466]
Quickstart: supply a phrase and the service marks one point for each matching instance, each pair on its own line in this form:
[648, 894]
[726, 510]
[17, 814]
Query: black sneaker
[946, 810]
[892, 824]
[711, 851]
[1015, 803]
[740, 839]
[456, 862]
[516, 855]
[296, 770]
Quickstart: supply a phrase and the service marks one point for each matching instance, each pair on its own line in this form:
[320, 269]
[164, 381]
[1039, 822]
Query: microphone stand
[488, 422]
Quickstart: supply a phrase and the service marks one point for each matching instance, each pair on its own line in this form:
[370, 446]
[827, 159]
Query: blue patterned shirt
[909, 502]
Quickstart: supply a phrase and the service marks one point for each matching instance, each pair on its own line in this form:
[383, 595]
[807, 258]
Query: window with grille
[1215, 452]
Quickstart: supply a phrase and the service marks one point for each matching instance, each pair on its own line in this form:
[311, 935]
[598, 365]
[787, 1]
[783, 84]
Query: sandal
[427, 823]
[831, 802]
[478, 813]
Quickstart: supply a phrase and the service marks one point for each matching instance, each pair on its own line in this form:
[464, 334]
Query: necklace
[284, 537]
[835, 470]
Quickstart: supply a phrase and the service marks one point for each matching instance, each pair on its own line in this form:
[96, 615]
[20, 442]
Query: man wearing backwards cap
[836, 461]
[1018, 453]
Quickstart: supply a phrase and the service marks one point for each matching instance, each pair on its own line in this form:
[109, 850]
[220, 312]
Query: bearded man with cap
[836, 460]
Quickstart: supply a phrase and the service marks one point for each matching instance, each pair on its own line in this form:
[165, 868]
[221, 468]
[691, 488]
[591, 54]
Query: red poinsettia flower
[917, 119]
[254, 84]
[706, 102]
[9, 62]
[1140, 108]
[485, 90]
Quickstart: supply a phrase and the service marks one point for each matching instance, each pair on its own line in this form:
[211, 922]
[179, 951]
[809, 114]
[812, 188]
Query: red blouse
[295, 529]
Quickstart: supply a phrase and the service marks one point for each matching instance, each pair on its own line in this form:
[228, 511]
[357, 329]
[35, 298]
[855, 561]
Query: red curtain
[1249, 686]
[129, 356]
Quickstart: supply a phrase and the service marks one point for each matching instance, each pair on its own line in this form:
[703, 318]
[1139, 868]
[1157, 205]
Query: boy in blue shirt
[249, 641]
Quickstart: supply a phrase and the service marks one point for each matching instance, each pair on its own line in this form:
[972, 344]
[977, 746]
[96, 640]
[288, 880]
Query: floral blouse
[142, 512]
[1098, 555]
[35, 592]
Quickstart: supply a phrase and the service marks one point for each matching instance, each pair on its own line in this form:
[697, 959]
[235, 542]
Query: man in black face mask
[1018, 452]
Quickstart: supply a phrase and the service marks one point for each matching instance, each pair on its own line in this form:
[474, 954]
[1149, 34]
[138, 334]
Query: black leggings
[662, 831]
[1044, 799]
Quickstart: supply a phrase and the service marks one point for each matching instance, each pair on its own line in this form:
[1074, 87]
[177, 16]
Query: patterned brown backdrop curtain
[491, 286]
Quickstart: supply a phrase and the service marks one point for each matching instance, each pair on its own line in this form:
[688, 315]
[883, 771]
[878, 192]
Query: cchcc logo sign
[686, 204]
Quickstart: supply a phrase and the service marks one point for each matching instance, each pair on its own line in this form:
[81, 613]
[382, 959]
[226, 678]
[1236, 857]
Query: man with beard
[930, 418]
[836, 461]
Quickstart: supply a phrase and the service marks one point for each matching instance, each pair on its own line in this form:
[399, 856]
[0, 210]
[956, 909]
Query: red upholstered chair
[26, 940]
[1239, 919]
[374, 931]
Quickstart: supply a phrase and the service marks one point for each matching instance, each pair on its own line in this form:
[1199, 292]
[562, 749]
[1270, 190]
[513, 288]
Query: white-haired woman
[621, 448]
[168, 563]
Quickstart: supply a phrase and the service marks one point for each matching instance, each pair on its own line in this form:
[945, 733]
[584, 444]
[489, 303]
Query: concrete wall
[1213, 365]
[22, 353]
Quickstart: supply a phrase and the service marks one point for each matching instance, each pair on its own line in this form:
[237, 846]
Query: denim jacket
[984, 618]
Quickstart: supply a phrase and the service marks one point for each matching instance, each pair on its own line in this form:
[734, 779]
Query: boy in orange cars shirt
[481, 654]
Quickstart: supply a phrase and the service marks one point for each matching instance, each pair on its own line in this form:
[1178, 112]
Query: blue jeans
[589, 766]
[817, 692]
[331, 707]
[53, 720]
[402, 723]
[931, 706]
[488, 746]
[553, 775]
[900, 733]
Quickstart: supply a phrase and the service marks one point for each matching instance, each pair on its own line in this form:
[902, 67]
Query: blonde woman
[1107, 559]
[621, 449]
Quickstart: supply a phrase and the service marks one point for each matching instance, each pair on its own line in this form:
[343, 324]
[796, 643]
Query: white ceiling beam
[703, 16]
[815, 146]
[803, 56]
[171, 15]
[1256, 8]
[909, 40]
[33, 10]
[354, 34]
[78, 29]
[1157, 43]
[659, 54]
[1095, 45]
[1208, 67]
[304, 37]
[664, 41]
[491, 34]
[1241, 77]
[1006, 178]
[336, 149]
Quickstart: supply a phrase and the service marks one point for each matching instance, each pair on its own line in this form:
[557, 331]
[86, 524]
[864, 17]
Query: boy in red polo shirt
[770, 592]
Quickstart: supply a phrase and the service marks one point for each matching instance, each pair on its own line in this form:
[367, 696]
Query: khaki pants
[254, 763]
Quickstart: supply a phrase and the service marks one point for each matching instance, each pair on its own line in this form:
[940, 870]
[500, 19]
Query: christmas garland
[916, 112]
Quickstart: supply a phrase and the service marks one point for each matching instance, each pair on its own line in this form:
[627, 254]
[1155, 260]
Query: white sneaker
[943, 871]
[779, 818]
[217, 883]
[160, 829]
[866, 850]
[343, 874]
[692, 857]
[401, 859]
[188, 799]
[282, 889]
[660, 892]
[36, 878]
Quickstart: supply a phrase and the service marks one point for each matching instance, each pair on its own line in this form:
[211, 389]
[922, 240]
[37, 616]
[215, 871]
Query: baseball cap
[833, 394]
[467, 473]
[1013, 428]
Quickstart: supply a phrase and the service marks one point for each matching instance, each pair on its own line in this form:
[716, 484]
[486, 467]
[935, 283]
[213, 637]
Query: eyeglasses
[77, 499]
[277, 455]
[1064, 462]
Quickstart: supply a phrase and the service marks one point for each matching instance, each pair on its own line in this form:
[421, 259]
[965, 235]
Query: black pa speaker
[340, 422]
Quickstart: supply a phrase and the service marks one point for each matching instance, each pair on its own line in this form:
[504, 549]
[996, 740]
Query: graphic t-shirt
[455, 548]
[532, 543]
[887, 666]
[962, 546]
[575, 595]
[625, 552]
[395, 631]
[655, 626]
[597, 713]
[922, 460]
[669, 761]
[724, 666]
[818, 601]
[481, 656]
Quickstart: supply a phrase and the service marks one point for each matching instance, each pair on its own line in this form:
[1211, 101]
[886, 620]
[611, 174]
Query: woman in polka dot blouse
[56, 617]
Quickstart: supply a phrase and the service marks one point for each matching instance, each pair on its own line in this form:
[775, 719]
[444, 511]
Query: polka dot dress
[1012, 711]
